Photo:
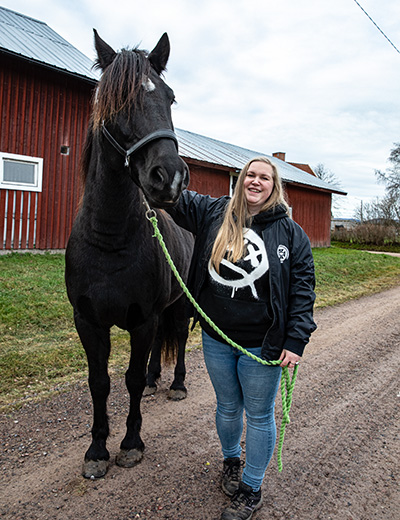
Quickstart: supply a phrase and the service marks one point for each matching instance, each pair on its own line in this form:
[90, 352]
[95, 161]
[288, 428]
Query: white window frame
[37, 162]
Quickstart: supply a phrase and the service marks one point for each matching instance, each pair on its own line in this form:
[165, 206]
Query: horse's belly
[124, 306]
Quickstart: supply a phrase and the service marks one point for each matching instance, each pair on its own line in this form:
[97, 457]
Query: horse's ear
[105, 54]
[160, 54]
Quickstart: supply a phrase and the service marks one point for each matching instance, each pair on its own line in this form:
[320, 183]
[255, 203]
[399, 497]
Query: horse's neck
[112, 207]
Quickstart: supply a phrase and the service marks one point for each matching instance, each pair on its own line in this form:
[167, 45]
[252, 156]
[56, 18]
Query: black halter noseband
[158, 134]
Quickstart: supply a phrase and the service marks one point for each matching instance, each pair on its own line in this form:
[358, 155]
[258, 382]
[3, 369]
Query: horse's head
[132, 111]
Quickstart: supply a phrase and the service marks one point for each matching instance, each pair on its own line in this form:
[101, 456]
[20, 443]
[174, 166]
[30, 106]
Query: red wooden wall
[41, 110]
[312, 210]
[211, 181]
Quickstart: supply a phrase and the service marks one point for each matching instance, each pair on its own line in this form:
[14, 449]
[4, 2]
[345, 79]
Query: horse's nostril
[157, 176]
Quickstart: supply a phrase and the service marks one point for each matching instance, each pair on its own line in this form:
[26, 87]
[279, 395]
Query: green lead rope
[287, 383]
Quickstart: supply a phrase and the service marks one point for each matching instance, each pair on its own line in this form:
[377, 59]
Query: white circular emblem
[282, 252]
[255, 254]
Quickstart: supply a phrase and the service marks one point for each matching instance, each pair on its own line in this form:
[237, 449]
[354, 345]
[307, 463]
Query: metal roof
[201, 148]
[35, 40]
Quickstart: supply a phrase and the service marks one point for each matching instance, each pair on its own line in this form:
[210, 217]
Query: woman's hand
[289, 359]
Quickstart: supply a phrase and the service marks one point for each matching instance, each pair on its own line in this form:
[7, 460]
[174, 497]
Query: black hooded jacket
[291, 267]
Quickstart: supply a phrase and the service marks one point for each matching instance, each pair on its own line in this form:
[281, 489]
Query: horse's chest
[125, 282]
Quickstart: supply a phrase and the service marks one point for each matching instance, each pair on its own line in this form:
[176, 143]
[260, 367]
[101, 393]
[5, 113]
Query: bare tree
[326, 175]
[391, 179]
[385, 211]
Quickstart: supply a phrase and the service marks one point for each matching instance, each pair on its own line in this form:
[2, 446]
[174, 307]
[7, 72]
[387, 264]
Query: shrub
[369, 233]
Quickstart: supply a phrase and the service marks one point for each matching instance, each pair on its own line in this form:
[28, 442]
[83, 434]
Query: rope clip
[150, 212]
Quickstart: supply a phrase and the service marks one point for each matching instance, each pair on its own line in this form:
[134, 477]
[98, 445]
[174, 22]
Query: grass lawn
[40, 350]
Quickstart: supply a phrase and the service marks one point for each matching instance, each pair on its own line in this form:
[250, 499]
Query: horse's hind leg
[177, 389]
[154, 366]
[175, 326]
[132, 446]
[96, 343]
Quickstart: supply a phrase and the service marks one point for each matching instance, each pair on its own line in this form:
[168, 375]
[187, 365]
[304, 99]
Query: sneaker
[231, 476]
[244, 502]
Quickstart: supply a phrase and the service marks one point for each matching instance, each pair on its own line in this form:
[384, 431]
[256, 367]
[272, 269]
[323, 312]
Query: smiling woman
[258, 185]
[252, 273]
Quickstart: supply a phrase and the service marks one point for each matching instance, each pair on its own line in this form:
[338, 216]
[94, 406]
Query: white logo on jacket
[256, 254]
[283, 253]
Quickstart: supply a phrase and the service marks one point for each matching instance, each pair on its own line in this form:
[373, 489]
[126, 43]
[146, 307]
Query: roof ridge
[22, 16]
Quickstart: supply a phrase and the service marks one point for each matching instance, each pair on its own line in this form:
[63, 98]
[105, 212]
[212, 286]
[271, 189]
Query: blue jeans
[241, 383]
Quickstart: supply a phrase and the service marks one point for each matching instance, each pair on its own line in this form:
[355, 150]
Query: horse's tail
[174, 326]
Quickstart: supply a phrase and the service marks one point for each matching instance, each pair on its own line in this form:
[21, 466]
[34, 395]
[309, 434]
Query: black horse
[116, 273]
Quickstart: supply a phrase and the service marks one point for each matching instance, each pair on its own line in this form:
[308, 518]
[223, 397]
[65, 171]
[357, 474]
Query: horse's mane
[119, 88]
[86, 154]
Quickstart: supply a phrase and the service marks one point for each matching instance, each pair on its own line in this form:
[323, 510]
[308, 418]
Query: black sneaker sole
[256, 508]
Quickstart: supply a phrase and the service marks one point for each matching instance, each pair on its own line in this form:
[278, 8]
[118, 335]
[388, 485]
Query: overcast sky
[316, 80]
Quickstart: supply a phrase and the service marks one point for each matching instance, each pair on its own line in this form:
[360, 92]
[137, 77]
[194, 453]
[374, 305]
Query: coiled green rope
[287, 383]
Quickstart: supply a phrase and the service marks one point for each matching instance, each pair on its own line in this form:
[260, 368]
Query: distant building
[343, 223]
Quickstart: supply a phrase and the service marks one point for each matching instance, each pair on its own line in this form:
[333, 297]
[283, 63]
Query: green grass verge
[393, 248]
[40, 351]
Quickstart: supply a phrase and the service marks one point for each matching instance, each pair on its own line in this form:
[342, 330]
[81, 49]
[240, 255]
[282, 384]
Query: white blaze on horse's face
[148, 85]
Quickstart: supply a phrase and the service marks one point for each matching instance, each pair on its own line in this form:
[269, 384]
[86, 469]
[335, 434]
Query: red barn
[45, 91]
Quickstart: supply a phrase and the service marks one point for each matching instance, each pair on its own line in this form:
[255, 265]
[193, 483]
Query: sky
[316, 80]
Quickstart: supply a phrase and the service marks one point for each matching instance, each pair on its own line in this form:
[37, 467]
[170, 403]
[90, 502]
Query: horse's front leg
[132, 446]
[96, 342]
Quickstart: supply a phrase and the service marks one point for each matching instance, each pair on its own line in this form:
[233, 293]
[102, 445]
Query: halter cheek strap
[158, 134]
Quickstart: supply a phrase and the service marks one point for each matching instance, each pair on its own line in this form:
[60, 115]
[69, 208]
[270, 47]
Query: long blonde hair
[230, 235]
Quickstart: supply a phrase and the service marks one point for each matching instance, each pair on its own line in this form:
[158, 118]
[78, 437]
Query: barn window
[20, 172]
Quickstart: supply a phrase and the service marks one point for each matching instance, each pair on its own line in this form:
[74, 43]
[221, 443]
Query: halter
[158, 134]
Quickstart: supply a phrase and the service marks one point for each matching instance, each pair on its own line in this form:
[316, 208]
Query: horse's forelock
[120, 84]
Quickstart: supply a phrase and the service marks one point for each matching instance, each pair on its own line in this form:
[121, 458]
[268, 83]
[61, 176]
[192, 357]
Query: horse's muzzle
[164, 191]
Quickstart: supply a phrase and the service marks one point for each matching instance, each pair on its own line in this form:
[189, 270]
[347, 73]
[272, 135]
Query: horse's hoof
[177, 395]
[129, 458]
[149, 390]
[95, 468]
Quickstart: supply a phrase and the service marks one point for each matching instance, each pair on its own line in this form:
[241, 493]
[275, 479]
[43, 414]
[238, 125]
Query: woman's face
[258, 185]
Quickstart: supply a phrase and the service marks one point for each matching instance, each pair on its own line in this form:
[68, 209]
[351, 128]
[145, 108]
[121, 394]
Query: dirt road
[341, 454]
